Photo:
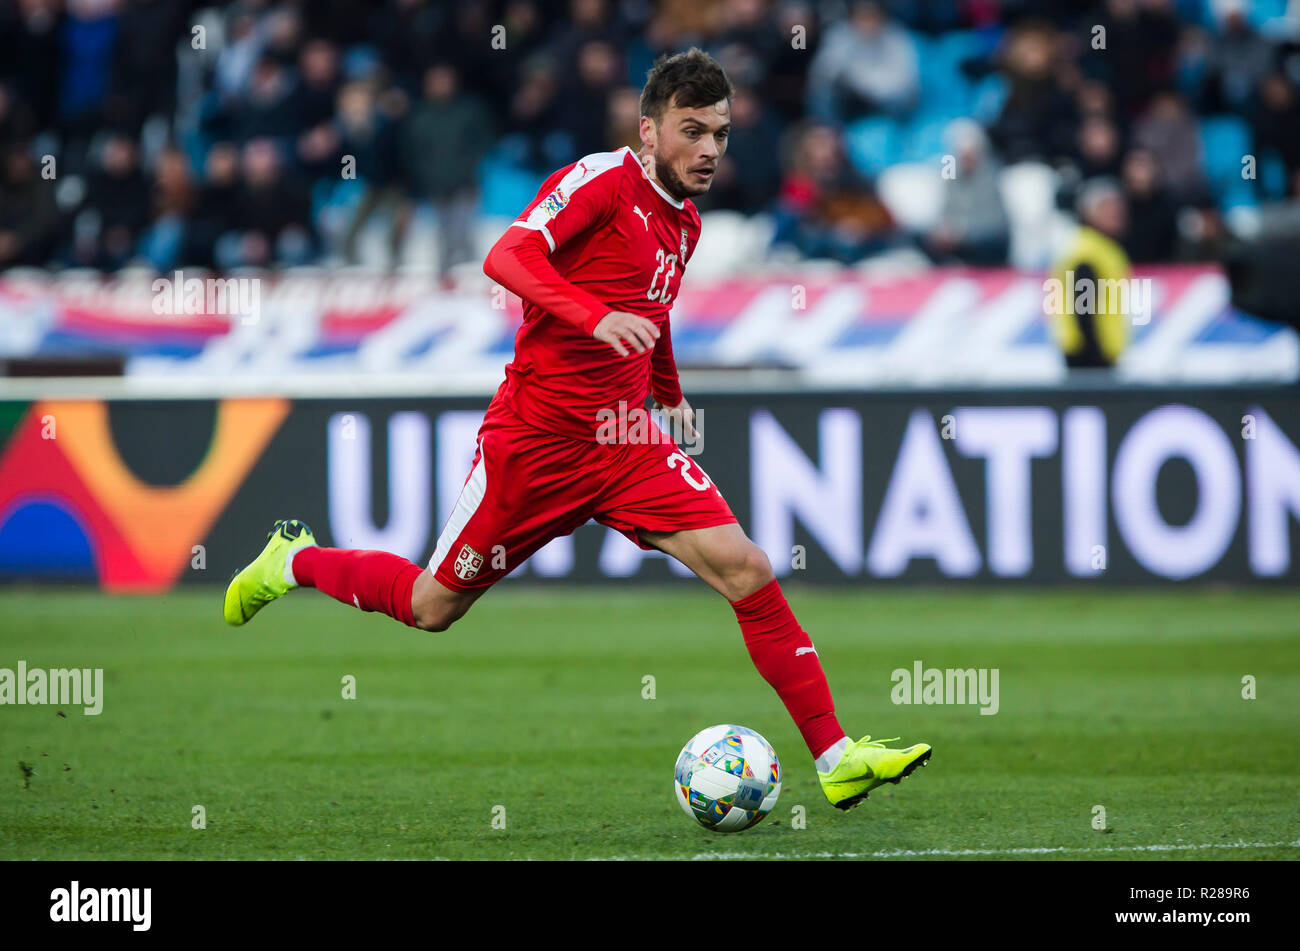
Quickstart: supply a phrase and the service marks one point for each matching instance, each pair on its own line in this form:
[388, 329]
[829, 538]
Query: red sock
[369, 580]
[774, 638]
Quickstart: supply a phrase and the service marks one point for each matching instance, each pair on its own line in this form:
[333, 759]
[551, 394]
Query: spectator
[77, 72]
[1238, 59]
[144, 67]
[1140, 52]
[1171, 133]
[783, 87]
[866, 64]
[535, 138]
[1275, 120]
[1089, 331]
[972, 226]
[86, 43]
[589, 21]
[370, 138]
[749, 174]
[1099, 149]
[1152, 233]
[116, 206]
[446, 137]
[405, 31]
[17, 123]
[272, 215]
[30, 58]
[745, 43]
[29, 218]
[267, 111]
[827, 210]
[214, 212]
[1038, 118]
[623, 126]
[313, 98]
[174, 197]
[585, 102]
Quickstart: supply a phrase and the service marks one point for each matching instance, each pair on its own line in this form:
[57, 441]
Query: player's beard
[673, 184]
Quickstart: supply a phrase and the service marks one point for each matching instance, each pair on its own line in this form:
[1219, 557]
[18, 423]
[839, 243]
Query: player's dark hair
[685, 80]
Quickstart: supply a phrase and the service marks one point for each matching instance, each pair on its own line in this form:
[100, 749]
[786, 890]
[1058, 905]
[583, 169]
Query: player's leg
[729, 562]
[660, 498]
[369, 580]
[524, 488]
[435, 606]
[725, 559]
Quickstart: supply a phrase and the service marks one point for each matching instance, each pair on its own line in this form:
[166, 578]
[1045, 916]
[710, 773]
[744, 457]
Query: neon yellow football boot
[867, 764]
[267, 577]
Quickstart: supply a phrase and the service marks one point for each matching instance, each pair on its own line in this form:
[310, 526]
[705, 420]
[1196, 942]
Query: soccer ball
[727, 778]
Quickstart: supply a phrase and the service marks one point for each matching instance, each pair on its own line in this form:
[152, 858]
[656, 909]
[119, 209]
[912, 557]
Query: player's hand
[682, 416]
[618, 327]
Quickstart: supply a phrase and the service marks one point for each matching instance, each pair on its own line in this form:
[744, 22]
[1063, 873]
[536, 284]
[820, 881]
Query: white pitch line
[954, 853]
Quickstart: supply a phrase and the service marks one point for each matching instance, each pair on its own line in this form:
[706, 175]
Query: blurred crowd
[261, 133]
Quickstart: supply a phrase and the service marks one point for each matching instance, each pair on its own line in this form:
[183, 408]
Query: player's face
[687, 144]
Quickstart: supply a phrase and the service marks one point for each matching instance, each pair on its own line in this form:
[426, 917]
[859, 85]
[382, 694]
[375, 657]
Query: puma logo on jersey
[644, 216]
[800, 651]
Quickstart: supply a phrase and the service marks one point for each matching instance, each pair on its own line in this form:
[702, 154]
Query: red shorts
[528, 486]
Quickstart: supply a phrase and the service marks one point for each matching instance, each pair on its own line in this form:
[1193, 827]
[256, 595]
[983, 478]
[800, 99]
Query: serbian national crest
[468, 563]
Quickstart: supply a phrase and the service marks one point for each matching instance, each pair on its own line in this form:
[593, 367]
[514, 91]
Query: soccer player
[597, 258]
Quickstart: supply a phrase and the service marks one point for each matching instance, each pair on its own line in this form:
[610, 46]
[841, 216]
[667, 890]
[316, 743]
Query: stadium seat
[1261, 12]
[1029, 195]
[506, 188]
[923, 138]
[1272, 175]
[1226, 140]
[730, 243]
[946, 92]
[873, 144]
[912, 194]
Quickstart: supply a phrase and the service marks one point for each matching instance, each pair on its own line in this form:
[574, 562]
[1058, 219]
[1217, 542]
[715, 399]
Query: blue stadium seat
[505, 188]
[945, 90]
[1225, 141]
[1261, 11]
[1272, 175]
[923, 138]
[873, 144]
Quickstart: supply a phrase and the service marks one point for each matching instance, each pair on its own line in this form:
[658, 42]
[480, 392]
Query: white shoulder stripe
[589, 166]
[587, 169]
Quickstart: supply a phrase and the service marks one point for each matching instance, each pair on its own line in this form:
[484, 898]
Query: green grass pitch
[534, 702]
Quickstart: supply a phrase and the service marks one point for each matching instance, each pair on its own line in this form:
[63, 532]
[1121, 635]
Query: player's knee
[435, 608]
[757, 567]
[437, 617]
[749, 571]
[431, 619]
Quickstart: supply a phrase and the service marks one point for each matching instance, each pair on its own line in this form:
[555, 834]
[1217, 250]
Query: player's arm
[665, 386]
[520, 262]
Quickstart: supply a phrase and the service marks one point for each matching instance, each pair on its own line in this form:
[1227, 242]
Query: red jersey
[600, 236]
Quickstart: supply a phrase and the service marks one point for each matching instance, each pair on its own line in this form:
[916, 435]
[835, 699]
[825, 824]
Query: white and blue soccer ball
[727, 778]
